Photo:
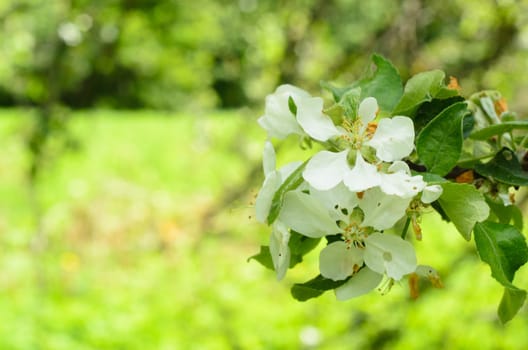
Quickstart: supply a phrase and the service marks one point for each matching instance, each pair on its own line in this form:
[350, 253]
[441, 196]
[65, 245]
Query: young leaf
[512, 300]
[314, 287]
[498, 129]
[292, 182]
[337, 92]
[384, 84]
[292, 106]
[421, 88]
[263, 257]
[439, 144]
[505, 168]
[350, 102]
[464, 205]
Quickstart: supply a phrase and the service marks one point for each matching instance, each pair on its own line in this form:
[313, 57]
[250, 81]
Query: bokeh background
[130, 160]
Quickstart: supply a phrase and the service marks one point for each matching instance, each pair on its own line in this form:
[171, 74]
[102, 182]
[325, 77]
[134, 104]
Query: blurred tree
[170, 53]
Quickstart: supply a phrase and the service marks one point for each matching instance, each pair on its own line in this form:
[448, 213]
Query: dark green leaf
[430, 109]
[464, 205]
[263, 257]
[467, 125]
[314, 287]
[505, 168]
[439, 144]
[421, 88]
[299, 246]
[333, 238]
[498, 129]
[292, 182]
[512, 300]
[510, 214]
[503, 247]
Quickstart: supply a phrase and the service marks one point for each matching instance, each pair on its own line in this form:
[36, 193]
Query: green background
[130, 162]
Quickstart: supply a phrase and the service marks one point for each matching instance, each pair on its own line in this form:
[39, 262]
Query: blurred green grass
[136, 259]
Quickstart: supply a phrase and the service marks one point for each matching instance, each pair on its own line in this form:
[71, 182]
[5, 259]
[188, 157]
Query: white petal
[265, 196]
[382, 211]
[326, 169]
[431, 193]
[268, 158]
[337, 262]
[279, 249]
[312, 119]
[399, 166]
[291, 90]
[362, 177]
[361, 283]
[402, 185]
[390, 254]
[304, 214]
[287, 169]
[278, 120]
[271, 184]
[393, 139]
[368, 108]
[336, 199]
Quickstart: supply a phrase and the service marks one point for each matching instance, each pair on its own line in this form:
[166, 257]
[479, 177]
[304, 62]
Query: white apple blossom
[393, 140]
[278, 120]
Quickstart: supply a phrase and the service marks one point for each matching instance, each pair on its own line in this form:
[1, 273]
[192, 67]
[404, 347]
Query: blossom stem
[406, 227]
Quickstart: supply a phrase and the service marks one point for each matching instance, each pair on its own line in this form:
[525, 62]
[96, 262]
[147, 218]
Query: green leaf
[314, 287]
[431, 179]
[498, 129]
[292, 106]
[439, 144]
[504, 249]
[421, 88]
[263, 257]
[464, 205]
[350, 102]
[336, 91]
[512, 300]
[505, 168]
[384, 84]
[300, 246]
[291, 183]
[506, 214]
[428, 110]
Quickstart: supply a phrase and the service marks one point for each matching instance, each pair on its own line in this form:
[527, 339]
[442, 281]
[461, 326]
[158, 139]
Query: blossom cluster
[354, 190]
